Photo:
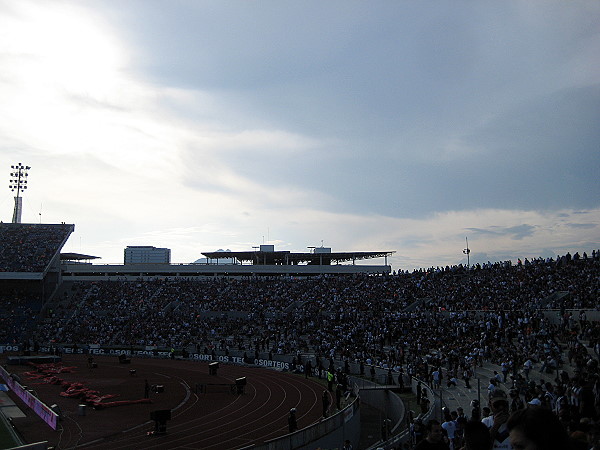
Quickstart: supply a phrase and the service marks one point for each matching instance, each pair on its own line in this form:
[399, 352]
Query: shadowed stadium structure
[317, 324]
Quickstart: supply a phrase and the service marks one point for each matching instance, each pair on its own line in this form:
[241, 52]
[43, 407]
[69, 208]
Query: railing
[309, 435]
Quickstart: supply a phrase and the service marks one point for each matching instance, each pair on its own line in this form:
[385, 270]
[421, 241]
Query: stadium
[284, 350]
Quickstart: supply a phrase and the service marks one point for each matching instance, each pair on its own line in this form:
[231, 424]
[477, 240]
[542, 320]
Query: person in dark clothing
[477, 436]
[434, 439]
[325, 399]
[537, 428]
[308, 369]
[292, 423]
[338, 396]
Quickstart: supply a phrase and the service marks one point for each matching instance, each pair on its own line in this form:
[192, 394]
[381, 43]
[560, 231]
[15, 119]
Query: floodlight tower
[18, 182]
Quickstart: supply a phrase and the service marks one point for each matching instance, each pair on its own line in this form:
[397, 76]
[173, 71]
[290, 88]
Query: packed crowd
[531, 428]
[569, 389]
[30, 247]
[18, 315]
[349, 317]
[529, 284]
[438, 325]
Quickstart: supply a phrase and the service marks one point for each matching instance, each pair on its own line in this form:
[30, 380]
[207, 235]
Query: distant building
[142, 254]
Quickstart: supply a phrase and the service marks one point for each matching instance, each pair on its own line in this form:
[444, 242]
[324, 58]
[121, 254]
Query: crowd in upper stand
[508, 286]
[30, 247]
[339, 316]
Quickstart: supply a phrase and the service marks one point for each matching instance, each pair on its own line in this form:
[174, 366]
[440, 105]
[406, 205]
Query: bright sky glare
[405, 126]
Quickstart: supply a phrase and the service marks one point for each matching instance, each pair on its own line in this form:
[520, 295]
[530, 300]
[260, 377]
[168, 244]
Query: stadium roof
[76, 257]
[286, 257]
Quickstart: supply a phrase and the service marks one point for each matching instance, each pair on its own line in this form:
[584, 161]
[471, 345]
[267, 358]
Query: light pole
[18, 182]
[467, 252]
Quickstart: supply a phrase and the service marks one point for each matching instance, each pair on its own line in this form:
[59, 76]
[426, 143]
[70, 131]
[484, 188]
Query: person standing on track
[325, 399]
[292, 422]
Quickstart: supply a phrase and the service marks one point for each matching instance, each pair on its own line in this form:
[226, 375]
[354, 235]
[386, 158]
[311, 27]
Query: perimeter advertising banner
[155, 353]
[47, 415]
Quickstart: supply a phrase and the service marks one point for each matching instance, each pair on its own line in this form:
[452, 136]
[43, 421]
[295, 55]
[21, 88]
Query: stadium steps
[416, 304]
[454, 397]
[552, 299]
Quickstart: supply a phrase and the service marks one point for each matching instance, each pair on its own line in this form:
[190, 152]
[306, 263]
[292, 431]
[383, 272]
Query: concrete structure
[263, 261]
[91, 272]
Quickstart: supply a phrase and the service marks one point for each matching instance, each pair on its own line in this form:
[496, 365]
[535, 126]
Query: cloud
[583, 225]
[516, 232]
[203, 125]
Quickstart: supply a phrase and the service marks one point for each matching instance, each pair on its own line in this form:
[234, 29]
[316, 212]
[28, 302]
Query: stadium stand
[449, 320]
[29, 274]
[28, 248]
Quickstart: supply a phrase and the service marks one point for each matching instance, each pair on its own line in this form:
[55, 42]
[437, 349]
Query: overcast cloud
[386, 125]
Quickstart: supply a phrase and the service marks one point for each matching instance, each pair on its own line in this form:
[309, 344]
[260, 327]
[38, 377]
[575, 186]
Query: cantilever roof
[286, 257]
[76, 257]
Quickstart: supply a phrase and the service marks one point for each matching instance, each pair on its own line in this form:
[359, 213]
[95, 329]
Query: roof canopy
[76, 257]
[287, 258]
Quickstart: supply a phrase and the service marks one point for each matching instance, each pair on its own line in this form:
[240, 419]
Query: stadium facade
[31, 254]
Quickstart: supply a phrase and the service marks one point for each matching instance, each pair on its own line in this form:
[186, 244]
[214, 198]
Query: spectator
[434, 438]
[537, 429]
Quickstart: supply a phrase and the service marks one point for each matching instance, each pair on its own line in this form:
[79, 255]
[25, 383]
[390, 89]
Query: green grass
[7, 437]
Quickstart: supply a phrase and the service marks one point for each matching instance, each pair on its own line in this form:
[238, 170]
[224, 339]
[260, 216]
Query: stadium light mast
[18, 182]
[467, 252]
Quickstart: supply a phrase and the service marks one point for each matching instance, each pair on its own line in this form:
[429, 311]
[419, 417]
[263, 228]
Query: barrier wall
[401, 439]
[377, 397]
[329, 433]
[46, 414]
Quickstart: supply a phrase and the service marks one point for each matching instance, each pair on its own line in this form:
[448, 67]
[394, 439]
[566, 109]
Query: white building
[142, 254]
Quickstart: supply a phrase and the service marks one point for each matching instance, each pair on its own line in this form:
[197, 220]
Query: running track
[217, 419]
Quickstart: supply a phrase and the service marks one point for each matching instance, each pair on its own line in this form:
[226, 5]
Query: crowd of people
[30, 247]
[438, 325]
[561, 414]
[488, 312]
[19, 314]
[530, 428]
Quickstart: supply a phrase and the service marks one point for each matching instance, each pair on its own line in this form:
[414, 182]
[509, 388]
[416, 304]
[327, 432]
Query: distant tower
[18, 182]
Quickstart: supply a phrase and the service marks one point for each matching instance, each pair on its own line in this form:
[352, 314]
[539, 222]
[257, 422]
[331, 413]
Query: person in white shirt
[450, 427]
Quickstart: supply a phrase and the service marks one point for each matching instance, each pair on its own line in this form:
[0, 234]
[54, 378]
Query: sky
[405, 126]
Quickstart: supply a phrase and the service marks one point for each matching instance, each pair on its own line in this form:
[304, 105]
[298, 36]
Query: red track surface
[217, 419]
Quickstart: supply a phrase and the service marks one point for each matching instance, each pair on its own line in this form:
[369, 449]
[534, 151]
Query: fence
[328, 433]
